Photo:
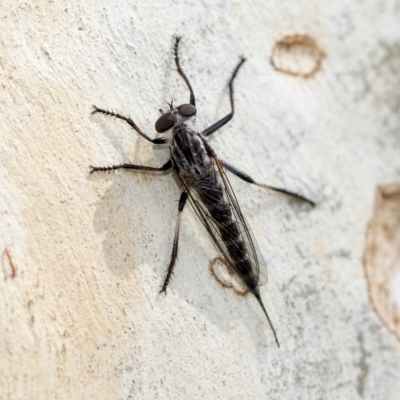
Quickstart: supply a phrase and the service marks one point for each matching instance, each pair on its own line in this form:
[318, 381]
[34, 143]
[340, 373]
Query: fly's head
[173, 116]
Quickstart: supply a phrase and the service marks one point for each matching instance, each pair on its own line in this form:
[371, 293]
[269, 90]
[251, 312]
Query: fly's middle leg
[240, 174]
[219, 124]
[182, 202]
[165, 167]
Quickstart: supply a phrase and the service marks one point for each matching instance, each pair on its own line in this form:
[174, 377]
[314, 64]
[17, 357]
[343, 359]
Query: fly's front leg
[165, 167]
[214, 127]
[249, 179]
[131, 123]
[181, 73]
[182, 202]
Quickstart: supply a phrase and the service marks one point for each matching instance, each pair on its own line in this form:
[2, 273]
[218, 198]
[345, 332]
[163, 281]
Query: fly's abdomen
[211, 194]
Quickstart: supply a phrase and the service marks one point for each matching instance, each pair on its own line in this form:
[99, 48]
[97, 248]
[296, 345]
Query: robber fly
[204, 182]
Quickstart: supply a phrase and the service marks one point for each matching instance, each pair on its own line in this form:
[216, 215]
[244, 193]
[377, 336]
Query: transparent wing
[215, 204]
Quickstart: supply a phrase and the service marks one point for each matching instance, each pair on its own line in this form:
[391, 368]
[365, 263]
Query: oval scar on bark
[382, 256]
[224, 274]
[297, 55]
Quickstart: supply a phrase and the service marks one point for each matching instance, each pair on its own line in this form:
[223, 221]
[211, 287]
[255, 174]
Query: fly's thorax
[189, 152]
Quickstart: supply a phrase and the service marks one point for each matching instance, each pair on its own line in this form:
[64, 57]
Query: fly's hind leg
[219, 124]
[182, 202]
[249, 179]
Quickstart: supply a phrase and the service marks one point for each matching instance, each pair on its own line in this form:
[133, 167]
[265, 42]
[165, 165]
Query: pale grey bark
[84, 256]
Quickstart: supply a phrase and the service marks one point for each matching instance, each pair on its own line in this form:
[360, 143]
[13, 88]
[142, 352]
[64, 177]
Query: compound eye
[165, 122]
[187, 110]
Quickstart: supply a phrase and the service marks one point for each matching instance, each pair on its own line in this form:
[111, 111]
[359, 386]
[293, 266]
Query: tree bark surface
[83, 257]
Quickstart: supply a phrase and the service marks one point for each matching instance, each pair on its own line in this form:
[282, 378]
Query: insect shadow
[202, 177]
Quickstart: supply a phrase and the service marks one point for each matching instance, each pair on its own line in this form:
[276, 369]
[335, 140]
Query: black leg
[131, 123]
[214, 127]
[249, 179]
[182, 202]
[181, 73]
[165, 167]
